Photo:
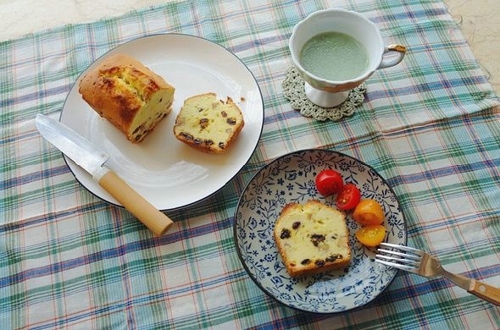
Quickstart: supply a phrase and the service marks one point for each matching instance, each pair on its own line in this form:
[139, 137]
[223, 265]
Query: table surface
[429, 126]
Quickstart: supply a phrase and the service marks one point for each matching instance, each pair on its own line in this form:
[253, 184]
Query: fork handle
[485, 291]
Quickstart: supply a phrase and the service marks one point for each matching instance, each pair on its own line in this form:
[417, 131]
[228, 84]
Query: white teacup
[330, 93]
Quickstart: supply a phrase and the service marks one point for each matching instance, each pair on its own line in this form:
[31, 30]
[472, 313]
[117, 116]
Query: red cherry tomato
[348, 197]
[329, 182]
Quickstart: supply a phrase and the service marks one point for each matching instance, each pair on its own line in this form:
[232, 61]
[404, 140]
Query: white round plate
[290, 179]
[168, 173]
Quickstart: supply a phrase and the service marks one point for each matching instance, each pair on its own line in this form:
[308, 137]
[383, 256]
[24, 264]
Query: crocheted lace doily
[293, 90]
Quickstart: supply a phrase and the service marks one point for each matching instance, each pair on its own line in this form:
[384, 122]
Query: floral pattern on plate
[290, 179]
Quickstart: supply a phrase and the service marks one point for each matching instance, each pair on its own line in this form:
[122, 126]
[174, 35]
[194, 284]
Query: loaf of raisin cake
[312, 238]
[207, 123]
[129, 95]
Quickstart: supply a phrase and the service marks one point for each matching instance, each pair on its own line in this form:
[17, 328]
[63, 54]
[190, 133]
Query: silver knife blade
[83, 152]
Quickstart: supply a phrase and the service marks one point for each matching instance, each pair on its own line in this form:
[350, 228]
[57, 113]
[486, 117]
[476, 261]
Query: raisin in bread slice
[129, 95]
[312, 238]
[207, 123]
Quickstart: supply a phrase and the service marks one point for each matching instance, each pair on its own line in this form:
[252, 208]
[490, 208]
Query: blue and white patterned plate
[288, 179]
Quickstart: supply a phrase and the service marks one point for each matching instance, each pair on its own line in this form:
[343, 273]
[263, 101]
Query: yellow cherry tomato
[371, 235]
[369, 212]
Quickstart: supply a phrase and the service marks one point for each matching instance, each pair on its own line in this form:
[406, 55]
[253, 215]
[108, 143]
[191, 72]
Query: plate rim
[250, 274]
[100, 58]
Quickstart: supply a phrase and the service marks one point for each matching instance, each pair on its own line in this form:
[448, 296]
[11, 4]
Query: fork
[423, 264]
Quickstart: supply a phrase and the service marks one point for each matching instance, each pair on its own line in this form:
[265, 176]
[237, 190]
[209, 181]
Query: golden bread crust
[121, 88]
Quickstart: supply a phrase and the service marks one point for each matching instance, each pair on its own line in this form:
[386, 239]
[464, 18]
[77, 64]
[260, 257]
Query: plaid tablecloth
[430, 126]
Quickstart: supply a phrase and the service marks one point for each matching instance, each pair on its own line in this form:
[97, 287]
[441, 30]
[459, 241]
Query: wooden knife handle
[485, 291]
[155, 220]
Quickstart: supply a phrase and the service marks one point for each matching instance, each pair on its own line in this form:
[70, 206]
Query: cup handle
[399, 49]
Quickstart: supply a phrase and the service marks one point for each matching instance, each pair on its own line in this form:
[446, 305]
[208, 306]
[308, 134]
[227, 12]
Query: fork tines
[399, 256]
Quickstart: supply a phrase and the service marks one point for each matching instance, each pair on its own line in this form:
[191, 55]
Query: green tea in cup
[335, 50]
[334, 56]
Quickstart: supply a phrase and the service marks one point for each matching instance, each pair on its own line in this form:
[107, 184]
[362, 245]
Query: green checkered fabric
[429, 125]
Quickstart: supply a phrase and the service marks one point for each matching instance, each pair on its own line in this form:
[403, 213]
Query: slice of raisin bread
[129, 95]
[207, 123]
[312, 238]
